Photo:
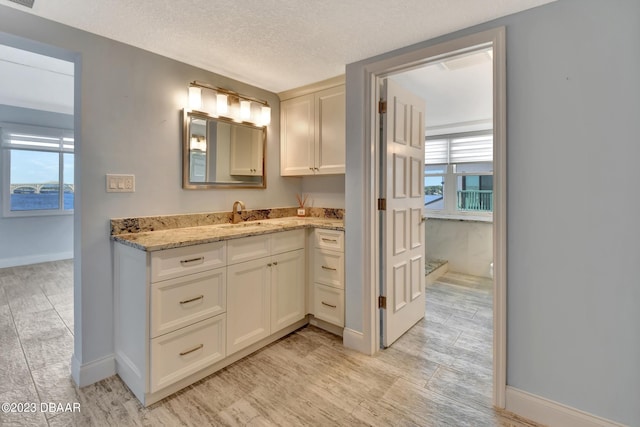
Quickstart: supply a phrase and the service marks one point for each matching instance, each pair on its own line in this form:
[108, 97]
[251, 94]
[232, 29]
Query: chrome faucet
[237, 212]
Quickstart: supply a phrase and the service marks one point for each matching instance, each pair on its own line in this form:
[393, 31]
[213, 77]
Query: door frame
[41, 48]
[404, 61]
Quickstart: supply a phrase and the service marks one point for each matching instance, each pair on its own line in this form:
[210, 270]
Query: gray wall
[573, 100]
[128, 120]
[28, 240]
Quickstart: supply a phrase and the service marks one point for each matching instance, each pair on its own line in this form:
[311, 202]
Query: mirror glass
[222, 153]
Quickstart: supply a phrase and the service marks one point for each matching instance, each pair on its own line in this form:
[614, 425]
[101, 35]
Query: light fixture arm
[227, 92]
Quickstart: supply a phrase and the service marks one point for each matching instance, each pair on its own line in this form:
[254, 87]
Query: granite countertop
[186, 236]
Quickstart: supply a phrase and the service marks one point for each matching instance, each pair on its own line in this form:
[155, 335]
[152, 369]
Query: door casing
[374, 73]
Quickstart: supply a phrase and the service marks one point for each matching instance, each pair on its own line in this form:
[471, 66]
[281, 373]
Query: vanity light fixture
[222, 104]
[195, 98]
[266, 115]
[228, 104]
[245, 110]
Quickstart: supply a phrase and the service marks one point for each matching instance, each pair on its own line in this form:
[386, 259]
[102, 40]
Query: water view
[40, 201]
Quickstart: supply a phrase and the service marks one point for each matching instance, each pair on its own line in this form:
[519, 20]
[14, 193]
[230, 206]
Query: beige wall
[467, 245]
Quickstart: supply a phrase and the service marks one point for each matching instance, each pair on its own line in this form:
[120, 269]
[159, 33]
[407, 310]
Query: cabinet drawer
[286, 241]
[328, 304]
[329, 239]
[179, 302]
[171, 263]
[183, 352]
[248, 248]
[328, 267]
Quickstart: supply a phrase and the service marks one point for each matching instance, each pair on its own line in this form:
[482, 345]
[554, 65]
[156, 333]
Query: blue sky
[34, 167]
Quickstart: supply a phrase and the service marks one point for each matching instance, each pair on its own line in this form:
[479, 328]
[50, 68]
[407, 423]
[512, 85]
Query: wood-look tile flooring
[437, 374]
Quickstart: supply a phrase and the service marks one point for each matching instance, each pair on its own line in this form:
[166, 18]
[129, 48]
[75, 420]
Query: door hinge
[382, 302]
[382, 204]
[382, 107]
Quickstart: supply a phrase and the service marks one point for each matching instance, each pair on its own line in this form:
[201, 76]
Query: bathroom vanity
[190, 301]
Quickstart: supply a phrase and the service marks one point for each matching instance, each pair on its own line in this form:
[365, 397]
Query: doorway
[39, 189]
[363, 82]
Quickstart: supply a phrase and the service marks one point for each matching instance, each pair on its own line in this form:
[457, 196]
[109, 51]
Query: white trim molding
[92, 372]
[34, 259]
[548, 412]
[355, 340]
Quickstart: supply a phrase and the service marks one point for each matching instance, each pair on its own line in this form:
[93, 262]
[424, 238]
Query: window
[459, 176]
[38, 168]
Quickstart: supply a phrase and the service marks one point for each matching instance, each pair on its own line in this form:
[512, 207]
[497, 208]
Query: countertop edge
[122, 238]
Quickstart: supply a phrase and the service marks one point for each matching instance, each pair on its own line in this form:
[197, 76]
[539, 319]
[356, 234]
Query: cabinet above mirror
[221, 153]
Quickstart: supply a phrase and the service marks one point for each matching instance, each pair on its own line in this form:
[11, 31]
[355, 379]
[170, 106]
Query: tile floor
[437, 374]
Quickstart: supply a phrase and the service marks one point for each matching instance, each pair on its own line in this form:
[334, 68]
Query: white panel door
[403, 249]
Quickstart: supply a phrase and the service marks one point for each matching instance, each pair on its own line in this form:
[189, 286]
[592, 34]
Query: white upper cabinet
[246, 151]
[313, 133]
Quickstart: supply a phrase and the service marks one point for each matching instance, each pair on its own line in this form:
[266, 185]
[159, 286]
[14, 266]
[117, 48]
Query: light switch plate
[121, 183]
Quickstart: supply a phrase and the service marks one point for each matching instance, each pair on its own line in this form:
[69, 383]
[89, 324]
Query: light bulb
[222, 104]
[266, 116]
[245, 110]
[195, 98]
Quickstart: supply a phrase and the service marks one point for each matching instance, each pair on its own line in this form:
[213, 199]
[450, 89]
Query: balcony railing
[475, 200]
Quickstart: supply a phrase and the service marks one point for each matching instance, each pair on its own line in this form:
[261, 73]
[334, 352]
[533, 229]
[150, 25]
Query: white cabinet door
[298, 134]
[313, 133]
[330, 148]
[287, 289]
[248, 303]
[246, 151]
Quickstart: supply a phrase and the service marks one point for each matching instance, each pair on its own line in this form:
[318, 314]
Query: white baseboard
[34, 259]
[92, 372]
[355, 341]
[550, 413]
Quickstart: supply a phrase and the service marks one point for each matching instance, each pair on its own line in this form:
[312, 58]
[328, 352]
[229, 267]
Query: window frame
[65, 139]
[450, 185]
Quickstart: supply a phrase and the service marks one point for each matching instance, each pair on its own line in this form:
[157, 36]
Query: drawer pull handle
[196, 348]
[328, 305]
[324, 239]
[187, 301]
[324, 267]
[192, 260]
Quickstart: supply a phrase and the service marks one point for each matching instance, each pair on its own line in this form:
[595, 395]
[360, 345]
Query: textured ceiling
[273, 44]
